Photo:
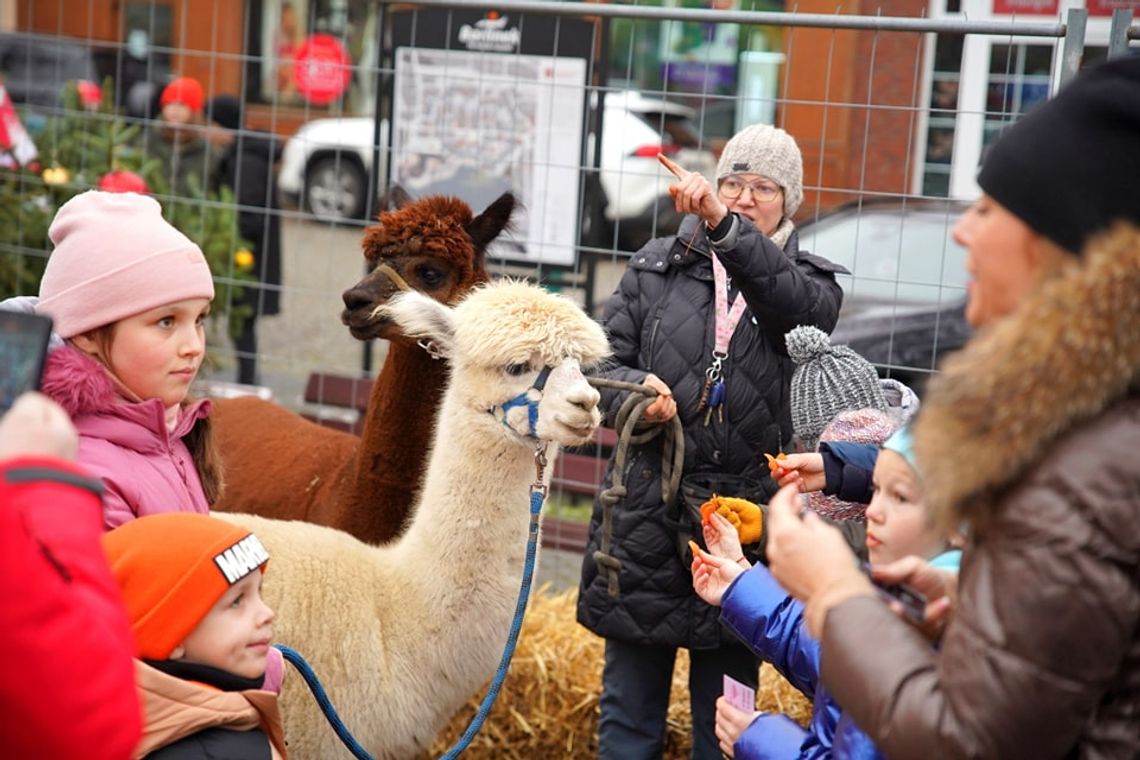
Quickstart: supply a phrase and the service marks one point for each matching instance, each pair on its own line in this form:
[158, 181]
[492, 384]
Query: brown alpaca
[280, 465]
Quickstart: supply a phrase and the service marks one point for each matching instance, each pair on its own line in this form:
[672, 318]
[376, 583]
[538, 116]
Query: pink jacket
[145, 469]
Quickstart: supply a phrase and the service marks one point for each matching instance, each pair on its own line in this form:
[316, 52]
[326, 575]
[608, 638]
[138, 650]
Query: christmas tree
[90, 146]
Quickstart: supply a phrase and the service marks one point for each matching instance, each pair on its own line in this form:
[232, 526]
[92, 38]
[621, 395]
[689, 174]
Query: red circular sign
[322, 69]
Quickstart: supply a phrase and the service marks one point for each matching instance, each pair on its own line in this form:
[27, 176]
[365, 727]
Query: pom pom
[806, 343]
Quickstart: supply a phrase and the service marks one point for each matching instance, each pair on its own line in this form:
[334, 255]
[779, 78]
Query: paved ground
[320, 262]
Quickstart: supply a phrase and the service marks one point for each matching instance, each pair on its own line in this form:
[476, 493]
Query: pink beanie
[115, 256]
[854, 426]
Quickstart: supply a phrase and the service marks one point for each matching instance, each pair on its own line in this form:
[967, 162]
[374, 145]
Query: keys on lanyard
[713, 393]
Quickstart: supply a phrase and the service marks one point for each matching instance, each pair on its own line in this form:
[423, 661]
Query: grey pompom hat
[827, 380]
[768, 151]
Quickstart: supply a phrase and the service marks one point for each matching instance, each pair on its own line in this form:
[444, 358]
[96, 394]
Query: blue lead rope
[314, 683]
[322, 698]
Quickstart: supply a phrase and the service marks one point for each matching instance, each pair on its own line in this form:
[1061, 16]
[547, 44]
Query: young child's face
[235, 635]
[157, 354]
[897, 522]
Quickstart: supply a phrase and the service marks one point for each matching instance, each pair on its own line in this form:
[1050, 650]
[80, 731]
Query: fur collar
[83, 386]
[77, 382]
[1070, 351]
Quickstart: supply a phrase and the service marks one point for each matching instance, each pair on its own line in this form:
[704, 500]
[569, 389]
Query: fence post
[1074, 48]
[1118, 33]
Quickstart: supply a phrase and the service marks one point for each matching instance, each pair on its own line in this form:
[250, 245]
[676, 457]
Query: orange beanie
[173, 568]
[184, 90]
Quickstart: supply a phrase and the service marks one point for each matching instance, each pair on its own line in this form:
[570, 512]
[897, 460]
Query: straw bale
[548, 706]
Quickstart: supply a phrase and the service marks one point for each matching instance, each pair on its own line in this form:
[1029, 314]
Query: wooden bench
[577, 471]
[341, 393]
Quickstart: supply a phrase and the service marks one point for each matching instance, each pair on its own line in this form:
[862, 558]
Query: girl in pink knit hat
[129, 294]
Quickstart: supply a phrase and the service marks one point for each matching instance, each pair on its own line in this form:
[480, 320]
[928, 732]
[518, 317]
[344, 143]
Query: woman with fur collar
[1030, 438]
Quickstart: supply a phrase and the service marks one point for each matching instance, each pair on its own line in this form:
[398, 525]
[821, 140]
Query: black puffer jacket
[661, 321]
[247, 168]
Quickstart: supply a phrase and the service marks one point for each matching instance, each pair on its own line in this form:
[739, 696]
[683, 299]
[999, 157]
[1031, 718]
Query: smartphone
[23, 348]
[912, 600]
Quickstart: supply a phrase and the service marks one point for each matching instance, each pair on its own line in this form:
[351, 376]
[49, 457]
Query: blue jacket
[770, 621]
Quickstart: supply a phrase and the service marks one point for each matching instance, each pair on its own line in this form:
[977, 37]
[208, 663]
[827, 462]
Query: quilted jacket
[661, 320]
[1032, 435]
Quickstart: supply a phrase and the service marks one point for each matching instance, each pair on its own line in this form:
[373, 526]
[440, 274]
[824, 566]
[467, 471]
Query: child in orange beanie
[192, 588]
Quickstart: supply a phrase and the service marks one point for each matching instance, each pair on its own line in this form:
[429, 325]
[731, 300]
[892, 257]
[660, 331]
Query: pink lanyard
[726, 319]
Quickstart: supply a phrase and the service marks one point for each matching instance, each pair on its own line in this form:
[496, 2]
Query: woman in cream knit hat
[700, 316]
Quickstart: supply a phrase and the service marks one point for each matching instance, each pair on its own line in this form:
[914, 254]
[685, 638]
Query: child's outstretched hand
[712, 575]
[804, 470]
[722, 538]
[747, 518]
[730, 724]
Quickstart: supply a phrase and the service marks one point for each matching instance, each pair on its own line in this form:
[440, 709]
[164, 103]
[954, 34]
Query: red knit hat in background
[173, 568]
[185, 90]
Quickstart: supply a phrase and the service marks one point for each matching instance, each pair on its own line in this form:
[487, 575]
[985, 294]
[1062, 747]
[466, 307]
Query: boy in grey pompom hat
[827, 380]
[768, 151]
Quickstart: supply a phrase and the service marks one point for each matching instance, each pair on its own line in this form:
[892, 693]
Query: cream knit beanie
[771, 152]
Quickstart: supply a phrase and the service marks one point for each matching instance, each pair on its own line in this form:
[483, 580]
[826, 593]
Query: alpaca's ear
[396, 198]
[494, 219]
[422, 317]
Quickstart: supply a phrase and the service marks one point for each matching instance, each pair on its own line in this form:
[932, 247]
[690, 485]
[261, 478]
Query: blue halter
[524, 399]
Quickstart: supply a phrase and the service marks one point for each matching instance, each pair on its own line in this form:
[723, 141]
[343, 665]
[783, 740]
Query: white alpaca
[402, 635]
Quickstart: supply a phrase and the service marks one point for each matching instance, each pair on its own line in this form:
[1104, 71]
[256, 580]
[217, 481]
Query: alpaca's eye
[430, 276]
[516, 370]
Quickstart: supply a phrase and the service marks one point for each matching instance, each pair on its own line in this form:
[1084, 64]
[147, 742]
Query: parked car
[326, 163]
[325, 166]
[634, 130]
[36, 69]
[904, 303]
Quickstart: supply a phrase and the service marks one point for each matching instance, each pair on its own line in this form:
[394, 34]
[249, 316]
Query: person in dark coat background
[662, 321]
[246, 166]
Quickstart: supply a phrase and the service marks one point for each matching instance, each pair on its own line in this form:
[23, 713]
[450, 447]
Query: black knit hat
[225, 110]
[1071, 166]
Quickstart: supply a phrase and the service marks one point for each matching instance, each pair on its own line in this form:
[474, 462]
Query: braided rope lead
[537, 495]
[314, 684]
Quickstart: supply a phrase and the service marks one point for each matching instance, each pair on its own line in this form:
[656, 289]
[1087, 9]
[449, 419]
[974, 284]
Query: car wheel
[335, 188]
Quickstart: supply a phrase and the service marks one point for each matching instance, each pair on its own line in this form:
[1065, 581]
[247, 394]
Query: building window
[943, 106]
[1019, 78]
[279, 31]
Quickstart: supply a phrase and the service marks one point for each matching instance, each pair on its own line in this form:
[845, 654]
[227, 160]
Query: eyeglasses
[763, 190]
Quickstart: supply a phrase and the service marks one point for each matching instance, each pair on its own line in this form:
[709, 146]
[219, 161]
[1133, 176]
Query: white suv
[325, 165]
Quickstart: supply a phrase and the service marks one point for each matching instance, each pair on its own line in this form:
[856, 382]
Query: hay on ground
[548, 706]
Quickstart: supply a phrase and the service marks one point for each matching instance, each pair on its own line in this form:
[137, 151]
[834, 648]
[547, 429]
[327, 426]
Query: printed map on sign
[476, 125]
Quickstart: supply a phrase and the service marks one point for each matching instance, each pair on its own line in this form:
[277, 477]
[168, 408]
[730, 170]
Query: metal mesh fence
[564, 104]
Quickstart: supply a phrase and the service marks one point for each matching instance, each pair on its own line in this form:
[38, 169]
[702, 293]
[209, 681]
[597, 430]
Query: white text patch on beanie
[241, 559]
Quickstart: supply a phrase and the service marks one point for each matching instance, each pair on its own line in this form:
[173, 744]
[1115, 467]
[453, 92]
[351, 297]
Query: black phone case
[913, 601]
[23, 349]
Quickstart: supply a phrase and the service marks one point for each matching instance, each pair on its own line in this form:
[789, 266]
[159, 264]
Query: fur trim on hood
[77, 382]
[81, 385]
[1070, 351]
